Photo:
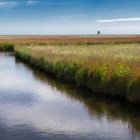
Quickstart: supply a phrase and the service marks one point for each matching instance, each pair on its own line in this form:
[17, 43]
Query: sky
[60, 17]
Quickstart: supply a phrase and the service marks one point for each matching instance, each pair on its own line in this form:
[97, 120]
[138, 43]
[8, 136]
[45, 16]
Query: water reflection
[96, 105]
[33, 106]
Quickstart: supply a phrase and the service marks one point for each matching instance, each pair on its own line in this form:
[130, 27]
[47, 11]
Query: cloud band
[118, 20]
[9, 4]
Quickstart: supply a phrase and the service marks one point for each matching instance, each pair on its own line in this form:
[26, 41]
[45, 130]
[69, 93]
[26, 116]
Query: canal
[34, 106]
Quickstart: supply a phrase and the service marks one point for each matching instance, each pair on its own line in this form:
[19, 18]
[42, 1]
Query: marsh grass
[110, 69]
[6, 47]
[81, 77]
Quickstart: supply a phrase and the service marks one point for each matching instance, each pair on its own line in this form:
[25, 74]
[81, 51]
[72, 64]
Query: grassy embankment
[109, 69]
[106, 69]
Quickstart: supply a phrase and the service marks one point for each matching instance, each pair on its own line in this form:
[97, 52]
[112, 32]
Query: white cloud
[8, 4]
[32, 2]
[59, 3]
[118, 20]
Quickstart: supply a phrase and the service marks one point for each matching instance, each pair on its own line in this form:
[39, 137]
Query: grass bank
[106, 69]
[6, 47]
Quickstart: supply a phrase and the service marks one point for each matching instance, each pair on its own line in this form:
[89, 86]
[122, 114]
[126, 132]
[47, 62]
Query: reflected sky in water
[32, 107]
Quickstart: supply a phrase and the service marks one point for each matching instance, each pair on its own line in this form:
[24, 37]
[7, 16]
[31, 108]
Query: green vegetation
[6, 47]
[105, 69]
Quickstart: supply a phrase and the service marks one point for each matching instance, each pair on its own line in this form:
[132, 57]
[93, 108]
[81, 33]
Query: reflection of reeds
[108, 69]
[97, 104]
[6, 47]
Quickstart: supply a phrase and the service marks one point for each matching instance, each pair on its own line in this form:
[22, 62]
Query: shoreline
[73, 73]
[119, 85]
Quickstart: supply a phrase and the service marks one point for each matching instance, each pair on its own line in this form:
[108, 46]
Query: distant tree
[98, 32]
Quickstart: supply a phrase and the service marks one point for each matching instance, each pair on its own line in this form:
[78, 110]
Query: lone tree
[98, 32]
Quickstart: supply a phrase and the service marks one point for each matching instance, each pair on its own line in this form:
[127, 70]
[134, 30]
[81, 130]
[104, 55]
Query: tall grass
[6, 47]
[95, 68]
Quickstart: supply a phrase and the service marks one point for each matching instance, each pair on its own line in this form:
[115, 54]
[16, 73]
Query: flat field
[70, 39]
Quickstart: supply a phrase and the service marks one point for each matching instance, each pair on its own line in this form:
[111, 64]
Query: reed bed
[111, 69]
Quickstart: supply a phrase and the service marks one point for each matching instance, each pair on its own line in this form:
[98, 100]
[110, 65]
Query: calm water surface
[34, 107]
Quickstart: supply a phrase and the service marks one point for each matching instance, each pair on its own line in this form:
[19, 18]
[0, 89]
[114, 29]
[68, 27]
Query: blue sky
[69, 16]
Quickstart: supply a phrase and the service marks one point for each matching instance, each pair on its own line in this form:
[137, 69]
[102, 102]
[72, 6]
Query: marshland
[69, 69]
[74, 80]
[111, 69]
[105, 65]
